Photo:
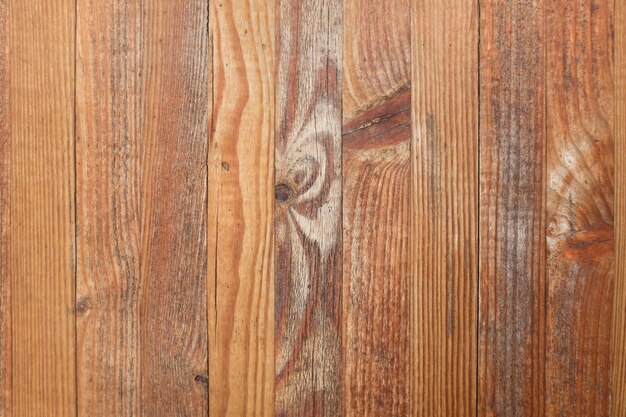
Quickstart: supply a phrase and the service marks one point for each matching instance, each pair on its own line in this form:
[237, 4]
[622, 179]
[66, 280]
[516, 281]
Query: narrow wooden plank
[5, 217]
[512, 209]
[40, 40]
[619, 307]
[308, 209]
[445, 207]
[173, 293]
[580, 179]
[376, 190]
[107, 207]
[241, 202]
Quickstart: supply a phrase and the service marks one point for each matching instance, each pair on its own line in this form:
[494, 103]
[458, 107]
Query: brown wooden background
[372, 208]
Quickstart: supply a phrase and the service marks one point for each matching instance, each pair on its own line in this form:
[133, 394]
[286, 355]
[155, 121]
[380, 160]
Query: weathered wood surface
[40, 67]
[580, 210]
[512, 247]
[376, 196]
[108, 117]
[241, 202]
[445, 207]
[173, 211]
[308, 247]
[619, 304]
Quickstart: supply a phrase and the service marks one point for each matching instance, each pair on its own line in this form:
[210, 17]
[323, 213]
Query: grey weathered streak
[308, 243]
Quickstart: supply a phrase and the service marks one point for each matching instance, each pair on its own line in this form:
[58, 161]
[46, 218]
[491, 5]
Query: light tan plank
[241, 198]
[445, 201]
[41, 258]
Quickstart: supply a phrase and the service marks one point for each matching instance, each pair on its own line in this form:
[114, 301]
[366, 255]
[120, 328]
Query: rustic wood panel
[5, 216]
[445, 207]
[173, 281]
[580, 181]
[619, 307]
[107, 207]
[512, 209]
[241, 202]
[376, 195]
[40, 39]
[308, 238]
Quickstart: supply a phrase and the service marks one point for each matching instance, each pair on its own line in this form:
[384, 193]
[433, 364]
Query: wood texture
[376, 195]
[445, 207]
[40, 38]
[241, 202]
[308, 209]
[108, 116]
[173, 281]
[580, 193]
[512, 209]
[5, 216]
[619, 307]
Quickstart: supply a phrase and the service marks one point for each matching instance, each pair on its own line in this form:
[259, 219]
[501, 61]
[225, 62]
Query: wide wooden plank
[580, 181]
[619, 307]
[512, 209]
[107, 207]
[241, 201]
[308, 243]
[40, 40]
[376, 189]
[5, 217]
[445, 207]
[173, 294]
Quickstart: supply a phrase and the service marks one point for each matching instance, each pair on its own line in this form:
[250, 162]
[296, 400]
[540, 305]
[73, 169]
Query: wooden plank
[512, 209]
[107, 207]
[376, 190]
[241, 201]
[173, 294]
[40, 39]
[5, 217]
[308, 209]
[445, 207]
[580, 193]
[619, 307]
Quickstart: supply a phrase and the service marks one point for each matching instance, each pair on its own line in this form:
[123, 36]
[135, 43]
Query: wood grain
[308, 237]
[241, 202]
[619, 307]
[376, 190]
[40, 38]
[580, 193]
[445, 207]
[107, 207]
[5, 217]
[512, 209]
[173, 279]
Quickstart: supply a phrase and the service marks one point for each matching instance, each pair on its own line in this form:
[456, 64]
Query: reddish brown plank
[445, 207]
[241, 203]
[376, 190]
[107, 198]
[174, 136]
[580, 213]
[308, 209]
[512, 209]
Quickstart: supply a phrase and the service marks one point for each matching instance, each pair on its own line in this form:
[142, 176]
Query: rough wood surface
[376, 190]
[5, 217]
[107, 207]
[445, 202]
[173, 281]
[40, 40]
[580, 181]
[512, 210]
[308, 209]
[619, 307]
[241, 202]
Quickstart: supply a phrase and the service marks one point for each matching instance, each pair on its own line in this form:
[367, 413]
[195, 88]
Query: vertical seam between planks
[209, 64]
[75, 260]
[478, 212]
